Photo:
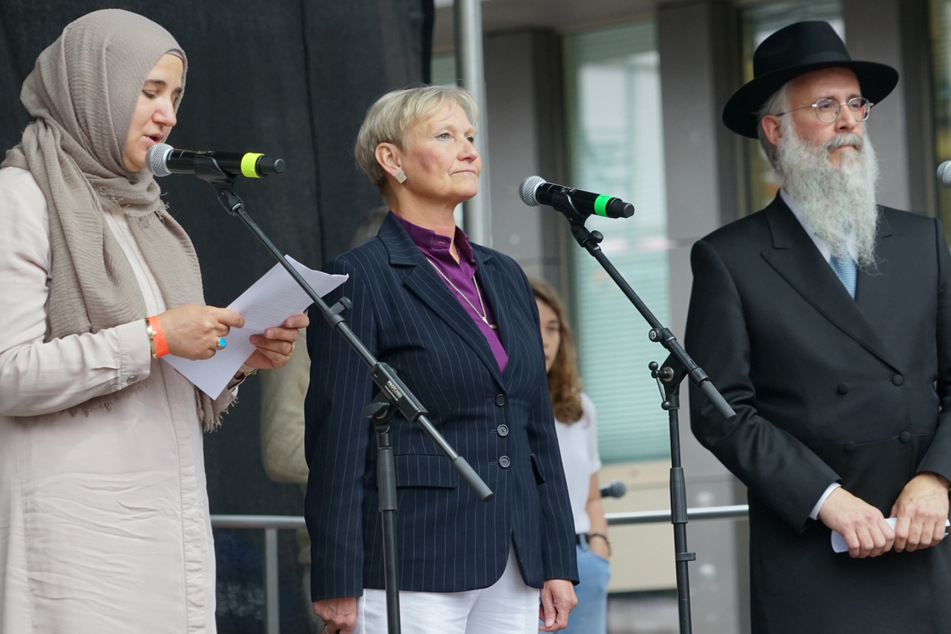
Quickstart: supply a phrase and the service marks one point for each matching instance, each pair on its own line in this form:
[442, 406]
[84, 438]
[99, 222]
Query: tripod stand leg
[382, 414]
[678, 509]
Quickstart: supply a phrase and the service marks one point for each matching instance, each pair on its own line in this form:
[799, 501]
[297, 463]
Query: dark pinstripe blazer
[500, 422]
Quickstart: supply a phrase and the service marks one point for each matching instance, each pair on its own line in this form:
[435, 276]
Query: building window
[615, 146]
[443, 69]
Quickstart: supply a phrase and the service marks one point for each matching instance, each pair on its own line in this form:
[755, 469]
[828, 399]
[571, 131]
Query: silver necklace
[483, 315]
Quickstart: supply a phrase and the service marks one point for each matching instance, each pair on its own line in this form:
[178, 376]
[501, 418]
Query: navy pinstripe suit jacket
[500, 422]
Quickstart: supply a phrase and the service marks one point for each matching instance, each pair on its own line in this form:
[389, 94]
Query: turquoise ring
[221, 343]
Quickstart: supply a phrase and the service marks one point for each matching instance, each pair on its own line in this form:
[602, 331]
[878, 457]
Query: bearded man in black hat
[825, 321]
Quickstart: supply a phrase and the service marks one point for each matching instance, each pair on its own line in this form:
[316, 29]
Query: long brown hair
[564, 385]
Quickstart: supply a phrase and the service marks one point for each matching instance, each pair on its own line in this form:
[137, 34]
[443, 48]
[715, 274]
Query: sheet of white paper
[838, 542]
[268, 302]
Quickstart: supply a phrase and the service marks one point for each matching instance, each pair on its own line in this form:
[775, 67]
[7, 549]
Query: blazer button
[842, 388]
[500, 400]
[849, 446]
[503, 430]
[905, 437]
[898, 379]
[132, 378]
[504, 462]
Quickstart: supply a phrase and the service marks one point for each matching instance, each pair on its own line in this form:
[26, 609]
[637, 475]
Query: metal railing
[271, 524]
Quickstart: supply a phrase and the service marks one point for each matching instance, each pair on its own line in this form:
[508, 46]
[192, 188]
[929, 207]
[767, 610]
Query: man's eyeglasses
[827, 110]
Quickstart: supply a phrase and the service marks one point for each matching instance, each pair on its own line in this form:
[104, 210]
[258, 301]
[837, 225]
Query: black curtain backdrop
[291, 79]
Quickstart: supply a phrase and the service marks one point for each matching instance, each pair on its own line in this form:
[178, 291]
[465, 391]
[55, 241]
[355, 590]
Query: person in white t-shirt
[577, 430]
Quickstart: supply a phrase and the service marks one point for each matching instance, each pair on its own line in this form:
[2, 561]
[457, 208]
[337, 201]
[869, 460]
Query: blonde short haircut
[391, 116]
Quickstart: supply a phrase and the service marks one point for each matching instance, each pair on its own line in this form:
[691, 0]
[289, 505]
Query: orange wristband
[156, 338]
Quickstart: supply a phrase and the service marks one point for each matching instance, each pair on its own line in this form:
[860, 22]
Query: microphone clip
[208, 170]
[561, 201]
[587, 239]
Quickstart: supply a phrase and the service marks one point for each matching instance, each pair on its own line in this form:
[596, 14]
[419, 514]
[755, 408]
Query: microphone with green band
[535, 191]
[162, 159]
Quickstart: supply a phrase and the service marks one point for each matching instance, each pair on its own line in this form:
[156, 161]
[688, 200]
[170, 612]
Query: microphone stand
[393, 397]
[669, 376]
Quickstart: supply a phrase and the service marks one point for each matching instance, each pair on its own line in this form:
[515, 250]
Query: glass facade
[615, 146]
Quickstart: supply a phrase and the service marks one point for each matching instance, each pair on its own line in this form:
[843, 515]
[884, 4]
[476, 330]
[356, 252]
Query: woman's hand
[275, 346]
[192, 330]
[340, 614]
[557, 600]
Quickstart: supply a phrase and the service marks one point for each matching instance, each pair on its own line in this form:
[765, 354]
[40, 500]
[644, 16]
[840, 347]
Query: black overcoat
[827, 389]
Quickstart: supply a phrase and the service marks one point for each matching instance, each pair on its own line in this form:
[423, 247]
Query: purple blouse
[460, 278]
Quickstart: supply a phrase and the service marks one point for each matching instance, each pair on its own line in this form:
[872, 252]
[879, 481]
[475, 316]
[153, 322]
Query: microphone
[535, 191]
[615, 489]
[944, 174]
[162, 159]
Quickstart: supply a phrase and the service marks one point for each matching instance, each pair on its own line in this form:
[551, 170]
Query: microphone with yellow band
[162, 159]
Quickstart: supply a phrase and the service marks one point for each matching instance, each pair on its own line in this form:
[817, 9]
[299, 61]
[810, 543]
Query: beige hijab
[82, 95]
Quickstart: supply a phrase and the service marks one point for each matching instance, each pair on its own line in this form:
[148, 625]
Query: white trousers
[506, 607]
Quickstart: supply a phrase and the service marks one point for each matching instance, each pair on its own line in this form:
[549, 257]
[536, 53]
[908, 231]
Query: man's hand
[558, 599]
[863, 526]
[921, 511]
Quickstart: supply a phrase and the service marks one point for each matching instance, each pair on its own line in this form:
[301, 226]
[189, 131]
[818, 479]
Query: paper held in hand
[267, 303]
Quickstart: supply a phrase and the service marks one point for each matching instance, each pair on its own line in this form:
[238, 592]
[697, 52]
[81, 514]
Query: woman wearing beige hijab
[104, 523]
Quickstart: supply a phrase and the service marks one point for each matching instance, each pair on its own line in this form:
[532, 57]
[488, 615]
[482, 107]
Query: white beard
[839, 200]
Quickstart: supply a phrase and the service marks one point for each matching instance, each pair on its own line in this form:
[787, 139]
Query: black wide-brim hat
[792, 51]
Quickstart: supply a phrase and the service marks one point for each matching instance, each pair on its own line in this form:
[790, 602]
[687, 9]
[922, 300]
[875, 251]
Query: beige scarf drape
[82, 95]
